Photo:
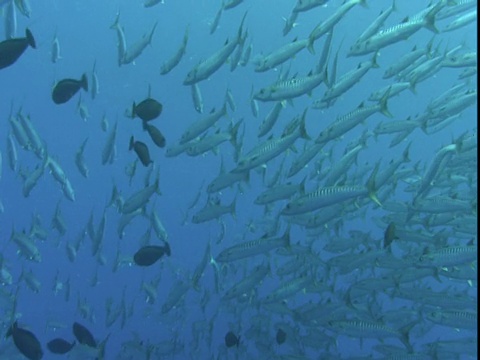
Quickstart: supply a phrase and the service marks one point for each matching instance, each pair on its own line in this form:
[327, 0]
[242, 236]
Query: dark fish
[26, 342]
[11, 49]
[281, 336]
[83, 335]
[141, 150]
[149, 255]
[66, 88]
[389, 235]
[60, 346]
[231, 340]
[147, 110]
[155, 134]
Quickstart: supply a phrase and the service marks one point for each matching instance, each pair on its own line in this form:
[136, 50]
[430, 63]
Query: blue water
[82, 28]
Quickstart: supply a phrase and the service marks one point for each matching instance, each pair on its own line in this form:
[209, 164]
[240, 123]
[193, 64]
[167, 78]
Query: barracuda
[254, 247]
[331, 195]
[330, 22]
[396, 33]
[348, 121]
[271, 148]
[280, 55]
[207, 67]
[248, 283]
[291, 88]
[449, 256]
[199, 126]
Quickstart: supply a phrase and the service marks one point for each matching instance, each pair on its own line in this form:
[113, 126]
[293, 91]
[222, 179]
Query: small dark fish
[147, 110]
[26, 342]
[389, 235]
[12, 49]
[141, 150]
[150, 254]
[281, 336]
[155, 134]
[83, 335]
[231, 340]
[60, 346]
[66, 88]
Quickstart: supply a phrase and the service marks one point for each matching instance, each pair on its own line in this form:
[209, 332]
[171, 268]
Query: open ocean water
[387, 272]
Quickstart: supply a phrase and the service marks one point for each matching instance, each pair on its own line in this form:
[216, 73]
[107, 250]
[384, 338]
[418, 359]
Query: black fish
[281, 336]
[231, 340]
[155, 134]
[141, 150]
[389, 235]
[147, 110]
[149, 255]
[66, 88]
[60, 346]
[83, 335]
[26, 342]
[11, 49]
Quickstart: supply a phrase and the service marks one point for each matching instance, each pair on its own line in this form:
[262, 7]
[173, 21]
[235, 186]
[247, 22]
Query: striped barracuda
[271, 148]
[449, 256]
[207, 67]
[348, 121]
[254, 247]
[331, 195]
[396, 33]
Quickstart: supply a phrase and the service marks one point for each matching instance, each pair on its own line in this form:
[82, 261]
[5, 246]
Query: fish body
[253, 247]
[12, 49]
[65, 89]
[140, 198]
[137, 48]
[150, 254]
[141, 150]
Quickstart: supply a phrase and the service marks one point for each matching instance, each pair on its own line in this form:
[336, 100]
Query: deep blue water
[82, 28]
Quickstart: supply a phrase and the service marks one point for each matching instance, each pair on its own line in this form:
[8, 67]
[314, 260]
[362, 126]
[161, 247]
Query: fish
[305, 5]
[169, 64]
[253, 247]
[12, 49]
[10, 16]
[122, 43]
[210, 65]
[231, 340]
[83, 335]
[80, 160]
[60, 346]
[137, 48]
[150, 3]
[147, 110]
[141, 150]
[65, 89]
[155, 134]
[197, 98]
[150, 254]
[55, 50]
[140, 198]
[280, 337]
[25, 341]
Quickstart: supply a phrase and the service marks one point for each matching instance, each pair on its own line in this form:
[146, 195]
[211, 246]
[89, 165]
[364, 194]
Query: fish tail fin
[234, 133]
[133, 110]
[130, 145]
[30, 38]
[371, 186]
[405, 335]
[150, 37]
[310, 47]
[405, 155]
[286, 238]
[240, 28]
[232, 208]
[84, 82]
[374, 60]
[384, 104]
[430, 20]
[303, 130]
[115, 24]
[364, 3]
